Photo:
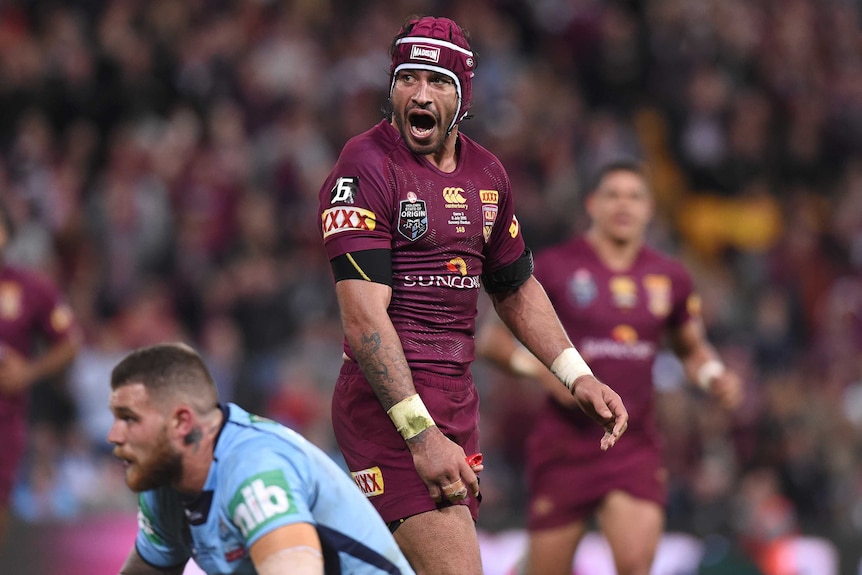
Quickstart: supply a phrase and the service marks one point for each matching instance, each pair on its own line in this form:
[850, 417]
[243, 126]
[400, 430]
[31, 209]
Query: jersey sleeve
[268, 490]
[355, 201]
[159, 541]
[505, 244]
[686, 302]
[53, 316]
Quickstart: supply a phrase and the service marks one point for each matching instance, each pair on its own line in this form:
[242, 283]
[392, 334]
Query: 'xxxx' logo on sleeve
[347, 218]
[369, 481]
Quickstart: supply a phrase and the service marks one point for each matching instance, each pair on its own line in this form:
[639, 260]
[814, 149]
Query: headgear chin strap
[438, 45]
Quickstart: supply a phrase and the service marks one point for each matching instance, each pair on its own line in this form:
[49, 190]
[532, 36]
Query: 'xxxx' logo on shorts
[369, 481]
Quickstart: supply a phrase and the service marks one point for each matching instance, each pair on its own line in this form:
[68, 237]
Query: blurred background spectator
[162, 158]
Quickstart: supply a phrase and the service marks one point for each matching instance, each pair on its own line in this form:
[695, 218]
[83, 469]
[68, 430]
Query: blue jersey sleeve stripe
[342, 543]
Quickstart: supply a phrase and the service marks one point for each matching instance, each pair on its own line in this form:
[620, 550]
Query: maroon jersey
[30, 311]
[617, 321]
[444, 231]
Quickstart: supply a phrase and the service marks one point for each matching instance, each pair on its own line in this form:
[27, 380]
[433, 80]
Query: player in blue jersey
[237, 493]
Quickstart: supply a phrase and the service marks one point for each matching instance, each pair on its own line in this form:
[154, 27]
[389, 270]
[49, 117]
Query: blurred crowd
[161, 160]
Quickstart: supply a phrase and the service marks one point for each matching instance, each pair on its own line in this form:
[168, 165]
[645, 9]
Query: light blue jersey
[264, 476]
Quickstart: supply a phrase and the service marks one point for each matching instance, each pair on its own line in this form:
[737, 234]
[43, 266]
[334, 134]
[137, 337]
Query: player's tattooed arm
[373, 339]
[385, 368]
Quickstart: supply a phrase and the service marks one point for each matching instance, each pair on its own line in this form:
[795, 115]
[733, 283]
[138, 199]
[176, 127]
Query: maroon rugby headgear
[439, 45]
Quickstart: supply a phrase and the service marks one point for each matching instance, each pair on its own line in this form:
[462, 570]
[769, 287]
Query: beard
[162, 467]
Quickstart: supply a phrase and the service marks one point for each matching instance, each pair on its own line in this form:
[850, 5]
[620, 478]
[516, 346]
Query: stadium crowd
[161, 161]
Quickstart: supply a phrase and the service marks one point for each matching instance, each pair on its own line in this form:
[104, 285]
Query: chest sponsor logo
[624, 334]
[457, 265]
[624, 292]
[426, 53]
[259, 500]
[454, 198]
[658, 291]
[344, 191]
[582, 287]
[369, 481]
[11, 298]
[618, 346]
[446, 281]
[412, 217]
[342, 219]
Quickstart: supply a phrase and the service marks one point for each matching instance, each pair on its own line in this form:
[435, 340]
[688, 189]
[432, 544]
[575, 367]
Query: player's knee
[635, 562]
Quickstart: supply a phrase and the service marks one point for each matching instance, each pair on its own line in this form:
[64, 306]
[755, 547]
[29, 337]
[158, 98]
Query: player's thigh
[441, 542]
[633, 528]
[552, 551]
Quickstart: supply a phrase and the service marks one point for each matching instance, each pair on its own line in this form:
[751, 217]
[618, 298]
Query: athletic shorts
[13, 429]
[375, 451]
[568, 474]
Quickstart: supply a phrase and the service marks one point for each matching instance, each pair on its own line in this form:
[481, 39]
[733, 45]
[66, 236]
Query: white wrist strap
[410, 416]
[707, 372]
[569, 366]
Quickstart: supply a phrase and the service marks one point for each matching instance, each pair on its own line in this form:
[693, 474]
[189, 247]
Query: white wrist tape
[709, 371]
[410, 416]
[569, 366]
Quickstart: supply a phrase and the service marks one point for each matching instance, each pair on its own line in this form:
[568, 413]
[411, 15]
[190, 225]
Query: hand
[443, 467]
[604, 405]
[727, 389]
[15, 376]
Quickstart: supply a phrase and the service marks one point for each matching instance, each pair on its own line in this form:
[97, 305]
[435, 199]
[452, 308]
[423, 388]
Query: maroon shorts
[13, 441]
[377, 455]
[568, 475]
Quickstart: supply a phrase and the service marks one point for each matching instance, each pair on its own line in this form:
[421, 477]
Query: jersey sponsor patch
[412, 217]
[369, 481]
[623, 292]
[427, 53]
[145, 523]
[514, 227]
[489, 216]
[261, 499]
[344, 191]
[454, 198]
[489, 196]
[342, 219]
[457, 265]
[582, 287]
[658, 291]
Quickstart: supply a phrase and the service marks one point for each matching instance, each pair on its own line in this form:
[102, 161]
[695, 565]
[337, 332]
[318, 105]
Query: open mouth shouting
[422, 125]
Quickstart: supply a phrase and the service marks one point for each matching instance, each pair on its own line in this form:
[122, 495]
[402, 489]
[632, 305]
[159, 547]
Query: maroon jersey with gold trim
[617, 319]
[444, 230]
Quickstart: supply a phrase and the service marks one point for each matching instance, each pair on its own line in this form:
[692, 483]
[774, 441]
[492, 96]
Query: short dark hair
[630, 165]
[167, 368]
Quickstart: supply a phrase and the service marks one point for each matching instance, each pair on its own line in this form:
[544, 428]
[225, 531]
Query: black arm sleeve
[511, 277]
[369, 265]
